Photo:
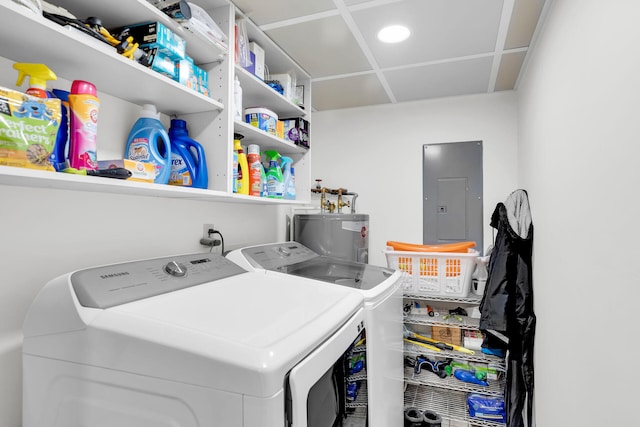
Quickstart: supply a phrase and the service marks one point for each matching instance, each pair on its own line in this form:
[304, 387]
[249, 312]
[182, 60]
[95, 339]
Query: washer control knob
[284, 251]
[175, 269]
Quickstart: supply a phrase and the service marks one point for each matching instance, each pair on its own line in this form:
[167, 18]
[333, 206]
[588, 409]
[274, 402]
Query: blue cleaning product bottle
[188, 161]
[60, 151]
[288, 179]
[148, 142]
[263, 182]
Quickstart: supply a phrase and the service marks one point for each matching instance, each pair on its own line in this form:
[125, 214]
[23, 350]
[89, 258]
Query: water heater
[344, 236]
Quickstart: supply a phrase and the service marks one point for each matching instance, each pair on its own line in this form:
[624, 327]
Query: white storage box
[434, 273]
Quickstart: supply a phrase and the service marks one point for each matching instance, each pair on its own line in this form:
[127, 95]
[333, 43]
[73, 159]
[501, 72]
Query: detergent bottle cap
[149, 111]
[179, 124]
[38, 74]
[83, 87]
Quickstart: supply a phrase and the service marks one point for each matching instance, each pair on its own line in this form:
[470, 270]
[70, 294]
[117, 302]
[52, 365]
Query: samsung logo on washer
[109, 276]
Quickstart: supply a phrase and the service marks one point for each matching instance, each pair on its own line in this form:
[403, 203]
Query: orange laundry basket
[435, 273]
[462, 247]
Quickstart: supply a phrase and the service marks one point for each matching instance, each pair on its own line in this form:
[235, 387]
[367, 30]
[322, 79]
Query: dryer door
[313, 391]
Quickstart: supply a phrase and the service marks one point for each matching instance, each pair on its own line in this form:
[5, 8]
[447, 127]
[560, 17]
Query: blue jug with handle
[148, 142]
[188, 161]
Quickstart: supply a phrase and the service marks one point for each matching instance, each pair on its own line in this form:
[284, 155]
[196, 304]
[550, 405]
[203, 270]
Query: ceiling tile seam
[325, 14]
[418, 64]
[503, 28]
[370, 4]
[542, 19]
[300, 20]
[353, 27]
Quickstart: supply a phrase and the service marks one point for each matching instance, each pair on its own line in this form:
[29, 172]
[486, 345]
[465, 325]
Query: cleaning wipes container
[188, 161]
[149, 142]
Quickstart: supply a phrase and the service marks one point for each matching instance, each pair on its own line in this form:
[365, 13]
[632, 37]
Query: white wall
[377, 153]
[578, 157]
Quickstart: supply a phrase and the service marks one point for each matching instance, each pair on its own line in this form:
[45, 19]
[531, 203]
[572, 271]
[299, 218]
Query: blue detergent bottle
[188, 162]
[148, 142]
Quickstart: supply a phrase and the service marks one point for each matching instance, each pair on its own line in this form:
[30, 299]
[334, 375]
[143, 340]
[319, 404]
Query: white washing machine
[382, 294]
[185, 341]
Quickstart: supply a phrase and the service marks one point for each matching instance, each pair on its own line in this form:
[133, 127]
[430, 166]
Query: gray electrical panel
[452, 193]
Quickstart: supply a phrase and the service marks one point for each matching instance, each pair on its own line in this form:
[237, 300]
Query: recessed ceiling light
[393, 34]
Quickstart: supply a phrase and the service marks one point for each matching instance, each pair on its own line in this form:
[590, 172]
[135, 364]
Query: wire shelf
[425, 377]
[421, 319]
[471, 299]
[496, 362]
[450, 405]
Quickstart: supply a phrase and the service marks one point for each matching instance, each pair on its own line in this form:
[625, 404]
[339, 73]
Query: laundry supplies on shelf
[188, 161]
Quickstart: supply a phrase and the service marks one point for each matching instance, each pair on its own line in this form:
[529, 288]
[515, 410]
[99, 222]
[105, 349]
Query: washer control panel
[116, 284]
[273, 256]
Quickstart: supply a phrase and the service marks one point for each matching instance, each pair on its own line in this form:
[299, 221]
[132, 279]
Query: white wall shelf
[74, 55]
[21, 177]
[262, 95]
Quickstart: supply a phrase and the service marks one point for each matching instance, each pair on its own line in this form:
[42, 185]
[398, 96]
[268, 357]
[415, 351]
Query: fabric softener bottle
[149, 142]
[188, 162]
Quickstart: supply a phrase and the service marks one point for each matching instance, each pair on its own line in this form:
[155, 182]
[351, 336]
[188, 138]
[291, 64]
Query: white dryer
[185, 341]
[382, 294]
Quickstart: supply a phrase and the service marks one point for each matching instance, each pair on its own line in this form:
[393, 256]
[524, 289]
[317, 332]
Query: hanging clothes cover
[507, 304]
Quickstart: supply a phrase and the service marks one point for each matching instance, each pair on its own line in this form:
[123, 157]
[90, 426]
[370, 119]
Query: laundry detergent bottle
[188, 161]
[148, 142]
[275, 182]
[242, 181]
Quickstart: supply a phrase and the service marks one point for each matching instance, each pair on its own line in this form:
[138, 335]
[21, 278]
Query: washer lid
[242, 333]
[295, 259]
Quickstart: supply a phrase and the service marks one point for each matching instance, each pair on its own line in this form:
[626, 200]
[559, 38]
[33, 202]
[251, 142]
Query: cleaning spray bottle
[83, 125]
[255, 170]
[148, 142]
[38, 75]
[243, 169]
[188, 162]
[287, 178]
[275, 183]
[263, 181]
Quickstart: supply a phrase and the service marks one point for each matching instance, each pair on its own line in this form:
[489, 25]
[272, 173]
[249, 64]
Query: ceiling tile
[322, 47]
[265, 12]
[439, 80]
[510, 66]
[347, 92]
[524, 19]
[439, 29]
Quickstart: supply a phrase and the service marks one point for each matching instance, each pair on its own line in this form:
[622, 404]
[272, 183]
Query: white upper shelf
[76, 56]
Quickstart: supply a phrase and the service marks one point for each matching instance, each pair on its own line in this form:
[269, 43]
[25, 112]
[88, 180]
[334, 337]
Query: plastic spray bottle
[287, 178]
[237, 100]
[275, 183]
[255, 170]
[188, 162]
[148, 142]
[263, 181]
[83, 125]
[38, 75]
[243, 169]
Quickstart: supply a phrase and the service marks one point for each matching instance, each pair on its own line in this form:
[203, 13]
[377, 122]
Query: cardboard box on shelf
[258, 59]
[142, 172]
[449, 335]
